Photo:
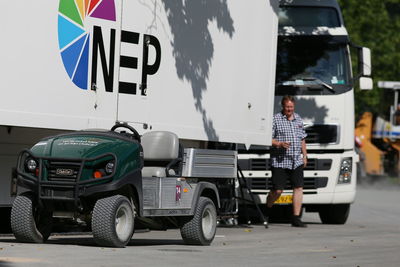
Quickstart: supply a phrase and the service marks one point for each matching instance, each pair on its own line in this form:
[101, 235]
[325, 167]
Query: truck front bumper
[320, 179]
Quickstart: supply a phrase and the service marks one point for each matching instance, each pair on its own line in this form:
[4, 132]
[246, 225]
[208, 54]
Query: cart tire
[29, 223]
[334, 214]
[200, 229]
[113, 221]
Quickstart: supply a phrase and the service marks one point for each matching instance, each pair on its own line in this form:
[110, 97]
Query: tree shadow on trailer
[193, 47]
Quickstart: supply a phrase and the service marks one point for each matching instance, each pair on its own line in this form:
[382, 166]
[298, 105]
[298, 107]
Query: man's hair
[287, 98]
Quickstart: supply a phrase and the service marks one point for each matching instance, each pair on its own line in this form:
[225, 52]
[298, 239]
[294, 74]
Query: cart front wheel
[29, 223]
[113, 221]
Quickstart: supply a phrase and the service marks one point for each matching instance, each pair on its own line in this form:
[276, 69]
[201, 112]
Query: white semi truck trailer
[203, 70]
[314, 65]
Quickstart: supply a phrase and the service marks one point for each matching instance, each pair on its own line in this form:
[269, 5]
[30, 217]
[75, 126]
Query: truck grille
[258, 164]
[322, 134]
[266, 183]
[318, 165]
[264, 164]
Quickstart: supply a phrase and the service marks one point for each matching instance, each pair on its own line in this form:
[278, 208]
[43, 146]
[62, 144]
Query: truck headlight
[345, 171]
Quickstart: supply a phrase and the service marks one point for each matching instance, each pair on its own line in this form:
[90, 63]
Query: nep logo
[74, 38]
[81, 24]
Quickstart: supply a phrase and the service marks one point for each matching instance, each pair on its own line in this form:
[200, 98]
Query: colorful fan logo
[74, 37]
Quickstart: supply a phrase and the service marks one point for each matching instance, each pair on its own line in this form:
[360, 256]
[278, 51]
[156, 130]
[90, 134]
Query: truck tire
[334, 214]
[28, 222]
[200, 229]
[113, 221]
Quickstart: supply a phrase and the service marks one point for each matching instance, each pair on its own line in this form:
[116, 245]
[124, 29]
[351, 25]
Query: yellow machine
[379, 140]
[379, 145]
[371, 158]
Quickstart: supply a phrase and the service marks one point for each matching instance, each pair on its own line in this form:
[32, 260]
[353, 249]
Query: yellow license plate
[284, 200]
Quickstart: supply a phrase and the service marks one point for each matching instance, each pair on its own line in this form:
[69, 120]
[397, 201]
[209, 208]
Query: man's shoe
[266, 216]
[266, 219]
[296, 222]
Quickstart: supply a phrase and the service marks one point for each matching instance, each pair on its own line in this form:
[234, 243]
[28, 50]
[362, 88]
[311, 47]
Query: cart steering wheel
[134, 134]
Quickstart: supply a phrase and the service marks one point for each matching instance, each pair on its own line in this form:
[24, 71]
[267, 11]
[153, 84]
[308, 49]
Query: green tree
[375, 24]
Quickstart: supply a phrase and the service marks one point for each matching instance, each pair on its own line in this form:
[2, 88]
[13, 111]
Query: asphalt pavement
[371, 237]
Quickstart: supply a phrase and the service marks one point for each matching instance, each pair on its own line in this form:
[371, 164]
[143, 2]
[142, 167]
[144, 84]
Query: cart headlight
[103, 171]
[110, 167]
[31, 165]
[345, 171]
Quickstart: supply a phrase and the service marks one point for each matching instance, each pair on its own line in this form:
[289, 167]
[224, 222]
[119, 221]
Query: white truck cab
[314, 65]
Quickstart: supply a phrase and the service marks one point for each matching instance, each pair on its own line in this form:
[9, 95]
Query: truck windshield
[301, 16]
[312, 65]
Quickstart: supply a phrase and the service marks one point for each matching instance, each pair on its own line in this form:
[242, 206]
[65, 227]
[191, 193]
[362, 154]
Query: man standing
[288, 157]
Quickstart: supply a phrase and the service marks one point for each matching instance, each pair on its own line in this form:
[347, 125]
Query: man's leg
[297, 200]
[297, 182]
[278, 179]
[272, 197]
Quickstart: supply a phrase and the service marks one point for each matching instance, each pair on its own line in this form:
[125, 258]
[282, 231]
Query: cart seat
[156, 172]
[161, 152]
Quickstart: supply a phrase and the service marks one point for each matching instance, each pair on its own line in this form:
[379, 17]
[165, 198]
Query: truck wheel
[113, 221]
[334, 214]
[200, 229]
[28, 222]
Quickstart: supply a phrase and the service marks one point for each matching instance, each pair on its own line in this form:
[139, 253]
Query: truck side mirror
[366, 83]
[364, 61]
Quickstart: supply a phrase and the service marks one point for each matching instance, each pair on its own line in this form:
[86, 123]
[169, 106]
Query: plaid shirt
[284, 130]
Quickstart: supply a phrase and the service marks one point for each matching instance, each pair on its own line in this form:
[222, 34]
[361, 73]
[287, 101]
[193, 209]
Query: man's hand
[285, 145]
[305, 160]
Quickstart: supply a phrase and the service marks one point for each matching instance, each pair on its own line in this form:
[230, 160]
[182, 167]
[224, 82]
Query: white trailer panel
[214, 79]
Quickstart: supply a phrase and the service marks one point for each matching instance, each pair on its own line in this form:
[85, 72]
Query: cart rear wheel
[200, 229]
[29, 223]
[113, 221]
